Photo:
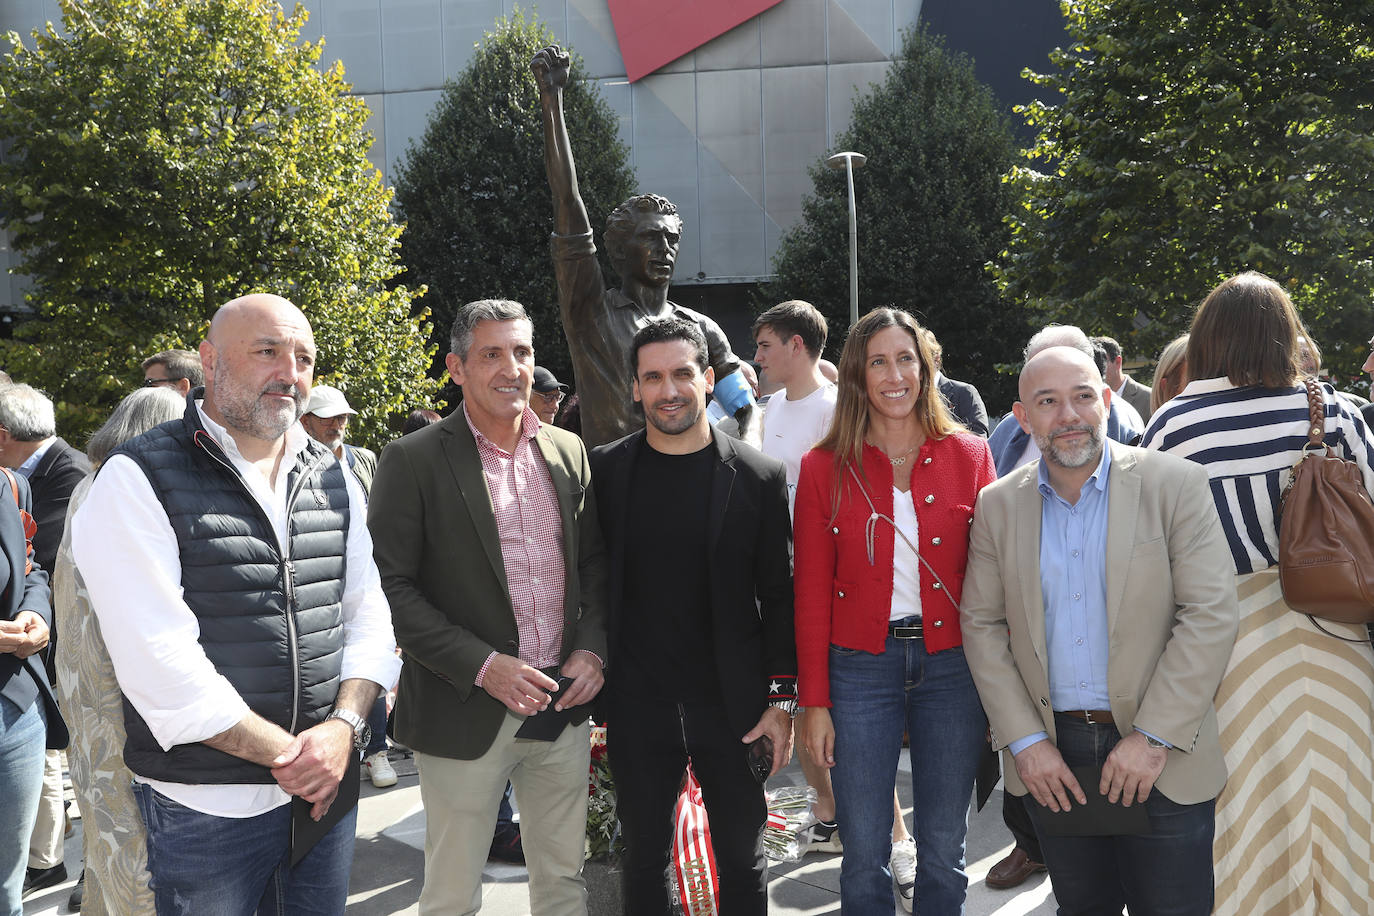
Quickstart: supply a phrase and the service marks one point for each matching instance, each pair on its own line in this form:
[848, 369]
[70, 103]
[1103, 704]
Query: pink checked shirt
[526, 508]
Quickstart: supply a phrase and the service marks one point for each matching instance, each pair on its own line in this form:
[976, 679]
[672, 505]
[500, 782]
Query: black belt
[1091, 716]
[910, 631]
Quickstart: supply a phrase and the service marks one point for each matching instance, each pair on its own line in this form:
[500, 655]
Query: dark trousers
[1018, 821]
[648, 745]
[1167, 873]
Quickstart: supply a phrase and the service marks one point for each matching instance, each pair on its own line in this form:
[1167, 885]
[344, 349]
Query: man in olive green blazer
[445, 501]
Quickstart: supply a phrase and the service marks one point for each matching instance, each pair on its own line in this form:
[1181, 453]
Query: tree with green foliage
[169, 155]
[473, 191]
[931, 204]
[1190, 141]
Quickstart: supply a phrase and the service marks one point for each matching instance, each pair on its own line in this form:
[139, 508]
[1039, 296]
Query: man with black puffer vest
[229, 564]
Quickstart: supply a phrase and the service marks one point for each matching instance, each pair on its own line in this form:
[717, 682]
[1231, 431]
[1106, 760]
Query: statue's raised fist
[550, 68]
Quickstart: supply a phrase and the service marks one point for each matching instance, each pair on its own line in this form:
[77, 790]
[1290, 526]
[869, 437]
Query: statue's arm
[550, 67]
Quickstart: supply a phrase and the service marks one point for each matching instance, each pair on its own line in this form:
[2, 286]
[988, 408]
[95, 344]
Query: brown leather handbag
[1326, 532]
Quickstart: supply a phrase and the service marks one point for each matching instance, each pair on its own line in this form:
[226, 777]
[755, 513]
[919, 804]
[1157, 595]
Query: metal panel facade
[727, 131]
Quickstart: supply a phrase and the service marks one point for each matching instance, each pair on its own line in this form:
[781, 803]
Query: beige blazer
[1172, 613]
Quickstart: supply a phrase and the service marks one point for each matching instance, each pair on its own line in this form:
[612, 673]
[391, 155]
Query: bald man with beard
[1097, 628]
[229, 563]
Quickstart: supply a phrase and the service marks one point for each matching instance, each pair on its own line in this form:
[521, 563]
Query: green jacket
[438, 551]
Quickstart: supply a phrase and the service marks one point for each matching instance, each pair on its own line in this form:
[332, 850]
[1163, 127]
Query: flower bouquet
[603, 826]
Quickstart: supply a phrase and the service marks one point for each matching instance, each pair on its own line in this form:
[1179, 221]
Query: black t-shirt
[665, 651]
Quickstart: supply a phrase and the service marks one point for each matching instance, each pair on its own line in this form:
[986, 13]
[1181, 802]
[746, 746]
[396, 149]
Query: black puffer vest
[270, 624]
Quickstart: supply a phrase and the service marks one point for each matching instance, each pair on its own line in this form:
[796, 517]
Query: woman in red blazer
[884, 504]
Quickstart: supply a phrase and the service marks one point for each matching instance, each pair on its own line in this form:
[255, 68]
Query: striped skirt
[1295, 823]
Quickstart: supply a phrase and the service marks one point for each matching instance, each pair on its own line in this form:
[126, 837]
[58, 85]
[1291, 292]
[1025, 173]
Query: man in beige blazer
[1097, 623]
[485, 532]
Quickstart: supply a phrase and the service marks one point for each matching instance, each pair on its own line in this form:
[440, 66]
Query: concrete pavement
[388, 866]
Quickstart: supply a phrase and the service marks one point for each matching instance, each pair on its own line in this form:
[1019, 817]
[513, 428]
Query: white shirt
[127, 553]
[792, 428]
[906, 566]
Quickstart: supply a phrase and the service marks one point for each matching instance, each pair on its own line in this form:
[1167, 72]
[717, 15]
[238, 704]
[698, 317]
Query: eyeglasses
[551, 397]
[154, 382]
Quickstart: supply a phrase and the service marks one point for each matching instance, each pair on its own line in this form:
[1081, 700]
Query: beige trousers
[45, 843]
[461, 798]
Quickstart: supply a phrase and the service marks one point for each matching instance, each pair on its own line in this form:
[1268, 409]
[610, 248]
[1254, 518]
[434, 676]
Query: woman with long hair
[115, 877]
[884, 504]
[1295, 822]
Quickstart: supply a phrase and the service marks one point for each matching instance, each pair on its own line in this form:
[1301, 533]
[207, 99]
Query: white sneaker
[379, 769]
[903, 865]
[823, 837]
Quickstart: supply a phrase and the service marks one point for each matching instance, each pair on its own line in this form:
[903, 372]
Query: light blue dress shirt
[31, 464]
[1073, 587]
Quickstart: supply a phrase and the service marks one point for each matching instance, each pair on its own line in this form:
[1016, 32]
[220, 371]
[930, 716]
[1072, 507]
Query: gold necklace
[897, 460]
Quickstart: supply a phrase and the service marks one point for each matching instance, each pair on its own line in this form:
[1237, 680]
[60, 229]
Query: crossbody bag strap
[871, 526]
[26, 520]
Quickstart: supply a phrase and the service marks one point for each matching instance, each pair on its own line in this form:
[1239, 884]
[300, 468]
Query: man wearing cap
[325, 419]
[548, 394]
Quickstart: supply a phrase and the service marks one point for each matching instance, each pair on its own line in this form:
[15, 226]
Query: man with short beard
[228, 561]
[701, 631]
[1097, 630]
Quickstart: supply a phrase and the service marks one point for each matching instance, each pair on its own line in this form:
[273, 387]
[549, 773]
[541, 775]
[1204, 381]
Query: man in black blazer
[962, 399]
[30, 445]
[700, 627]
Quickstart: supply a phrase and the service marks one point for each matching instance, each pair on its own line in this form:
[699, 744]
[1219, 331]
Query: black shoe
[37, 879]
[74, 901]
[505, 845]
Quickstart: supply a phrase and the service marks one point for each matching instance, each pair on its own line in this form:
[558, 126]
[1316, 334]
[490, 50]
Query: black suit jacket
[749, 570]
[21, 681]
[52, 482]
[966, 404]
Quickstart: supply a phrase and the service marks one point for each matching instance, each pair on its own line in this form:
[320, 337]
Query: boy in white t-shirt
[789, 337]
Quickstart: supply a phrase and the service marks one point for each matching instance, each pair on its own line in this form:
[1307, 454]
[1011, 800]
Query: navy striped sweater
[1249, 438]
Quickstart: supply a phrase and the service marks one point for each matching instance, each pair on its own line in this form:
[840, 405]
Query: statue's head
[642, 237]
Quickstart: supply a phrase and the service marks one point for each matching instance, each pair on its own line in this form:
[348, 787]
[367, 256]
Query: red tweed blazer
[843, 599]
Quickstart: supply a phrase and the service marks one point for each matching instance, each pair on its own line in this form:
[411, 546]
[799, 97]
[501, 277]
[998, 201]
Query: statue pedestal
[604, 897]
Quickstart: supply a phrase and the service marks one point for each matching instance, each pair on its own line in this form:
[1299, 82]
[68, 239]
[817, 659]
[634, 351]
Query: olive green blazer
[437, 548]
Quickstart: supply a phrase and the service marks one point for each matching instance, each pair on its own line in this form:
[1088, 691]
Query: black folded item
[1098, 817]
[989, 772]
[548, 723]
[305, 830]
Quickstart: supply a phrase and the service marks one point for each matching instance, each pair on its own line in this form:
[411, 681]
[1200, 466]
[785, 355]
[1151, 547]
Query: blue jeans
[1167, 873]
[875, 697]
[203, 865]
[23, 735]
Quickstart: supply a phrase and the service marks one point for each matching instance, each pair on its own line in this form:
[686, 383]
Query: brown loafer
[1013, 870]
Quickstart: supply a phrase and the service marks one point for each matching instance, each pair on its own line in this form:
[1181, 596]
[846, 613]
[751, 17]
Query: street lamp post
[849, 162]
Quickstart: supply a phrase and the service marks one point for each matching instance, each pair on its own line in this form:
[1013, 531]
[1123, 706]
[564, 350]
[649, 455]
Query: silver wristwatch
[362, 732]
[1155, 742]
[787, 706]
